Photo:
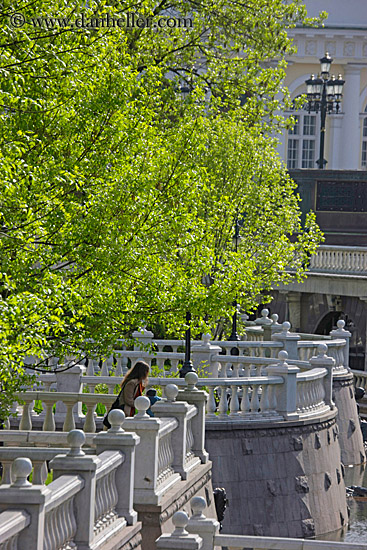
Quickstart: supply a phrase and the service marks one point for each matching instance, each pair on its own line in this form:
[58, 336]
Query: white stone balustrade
[38, 456]
[117, 439]
[201, 533]
[360, 379]
[340, 259]
[184, 460]
[81, 507]
[154, 473]
[12, 522]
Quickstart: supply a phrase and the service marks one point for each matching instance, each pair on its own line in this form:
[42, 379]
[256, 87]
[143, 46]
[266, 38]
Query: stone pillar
[294, 309]
[335, 141]
[288, 339]
[287, 392]
[168, 408]
[180, 539]
[202, 357]
[322, 361]
[349, 157]
[70, 381]
[340, 332]
[265, 323]
[144, 336]
[117, 439]
[22, 495]
[78, 463]
[200, 525]
[364, 299]
[198, 398]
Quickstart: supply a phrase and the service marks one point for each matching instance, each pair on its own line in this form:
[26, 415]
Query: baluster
[26, 420]
[49, 422]
[223, 403]
[90, 424]
[235, 367]
[258, 370]
[247, 369]
[104, 371]
[92, 386]
[90, 367]
[69, 423]
[39, 472]
[245, 401]
[255, 399]
[234, 405]
[273, 397]
[118, 371]
[211, 406]
[264, 401]
[175, 363]
[6, 477]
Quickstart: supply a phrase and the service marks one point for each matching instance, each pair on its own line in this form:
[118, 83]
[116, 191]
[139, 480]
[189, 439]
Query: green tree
[118, 194]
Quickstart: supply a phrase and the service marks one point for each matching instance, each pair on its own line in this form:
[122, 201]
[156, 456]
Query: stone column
[70, 381]
[202, 357]
[294, 310]
[289, 340]
[335, 141]
[350, 153]
[78, 463]
[206, 528]
[21, 495]
[193, 396]
[116, 439]
[180, 539]
[340, 332]
[287, 392]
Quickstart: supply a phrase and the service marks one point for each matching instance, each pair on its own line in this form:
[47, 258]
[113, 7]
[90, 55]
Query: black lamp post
[324, 94]
[236, 240]
[187, 365]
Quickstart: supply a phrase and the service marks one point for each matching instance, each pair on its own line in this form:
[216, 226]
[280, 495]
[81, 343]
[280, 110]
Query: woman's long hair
[140, 371]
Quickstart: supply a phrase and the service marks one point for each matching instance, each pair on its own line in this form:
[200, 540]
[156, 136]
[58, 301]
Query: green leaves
[119, 195]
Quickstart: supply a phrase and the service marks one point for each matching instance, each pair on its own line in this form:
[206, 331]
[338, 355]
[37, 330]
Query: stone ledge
[220, 425]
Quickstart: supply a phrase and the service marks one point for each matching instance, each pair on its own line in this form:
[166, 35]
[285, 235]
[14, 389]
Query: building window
[302, 142]
[364, 143]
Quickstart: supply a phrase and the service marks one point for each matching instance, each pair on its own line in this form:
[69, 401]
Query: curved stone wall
[281, 479]
[350, 435]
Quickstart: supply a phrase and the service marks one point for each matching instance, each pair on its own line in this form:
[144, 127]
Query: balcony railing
[340, 259]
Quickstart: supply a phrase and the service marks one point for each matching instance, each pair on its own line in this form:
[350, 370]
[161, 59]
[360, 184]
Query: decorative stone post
[183, 412]
[77, 462]
[180, 539]
[340, 332]
[322, 361]
[22, 495]
[202, 357]
[147, 459]
[275, 326]
[144, 337]
[117, 439]
[289, 340]
[70, 381]
[286, 392]
[200, 525]
[196, 397]
[265, 323]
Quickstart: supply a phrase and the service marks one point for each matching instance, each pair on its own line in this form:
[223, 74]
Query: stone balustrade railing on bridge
[82, 507]
[106, 480]
[201, 533]
[270, 391]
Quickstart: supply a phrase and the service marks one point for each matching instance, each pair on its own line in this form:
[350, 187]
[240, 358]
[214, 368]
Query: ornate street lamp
[324, 94]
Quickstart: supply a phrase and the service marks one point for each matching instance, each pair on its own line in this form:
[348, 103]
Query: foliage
[117, 195]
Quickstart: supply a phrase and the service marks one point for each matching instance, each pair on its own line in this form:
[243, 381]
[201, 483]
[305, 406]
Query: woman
[132, 387]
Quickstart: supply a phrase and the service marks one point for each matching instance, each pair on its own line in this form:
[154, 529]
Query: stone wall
[157, 519]
[284, 480]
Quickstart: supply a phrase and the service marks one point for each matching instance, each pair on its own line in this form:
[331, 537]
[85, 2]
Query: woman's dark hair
[140, 371]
